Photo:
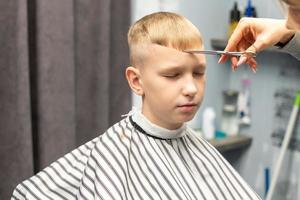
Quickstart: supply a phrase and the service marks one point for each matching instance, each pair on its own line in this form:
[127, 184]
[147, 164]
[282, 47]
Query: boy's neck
[158, 123]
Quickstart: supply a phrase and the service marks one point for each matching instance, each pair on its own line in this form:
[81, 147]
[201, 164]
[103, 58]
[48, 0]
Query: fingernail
[254, 70]
[219, 61]
[242, 60]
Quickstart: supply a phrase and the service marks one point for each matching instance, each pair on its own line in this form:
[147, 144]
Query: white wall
[212, 17]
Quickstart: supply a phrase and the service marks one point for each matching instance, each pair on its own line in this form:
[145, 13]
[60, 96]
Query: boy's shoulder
[67, 171]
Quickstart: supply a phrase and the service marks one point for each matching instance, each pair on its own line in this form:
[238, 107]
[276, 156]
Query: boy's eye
[171, 75]
[199, 73]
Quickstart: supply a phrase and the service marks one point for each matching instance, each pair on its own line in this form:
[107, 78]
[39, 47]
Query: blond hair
[166, 29]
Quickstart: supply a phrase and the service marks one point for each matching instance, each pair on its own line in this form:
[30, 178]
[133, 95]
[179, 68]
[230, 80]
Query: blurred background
[62, 84]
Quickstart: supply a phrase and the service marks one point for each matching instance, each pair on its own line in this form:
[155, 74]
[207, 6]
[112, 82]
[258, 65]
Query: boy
[151, 154]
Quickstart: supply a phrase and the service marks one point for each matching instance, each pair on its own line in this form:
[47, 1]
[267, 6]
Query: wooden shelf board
[231, 143]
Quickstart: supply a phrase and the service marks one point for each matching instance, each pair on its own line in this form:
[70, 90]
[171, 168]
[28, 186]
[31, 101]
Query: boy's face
[172, 84]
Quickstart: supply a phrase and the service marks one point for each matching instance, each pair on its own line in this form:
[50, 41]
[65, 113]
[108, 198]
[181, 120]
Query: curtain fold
[15, 111]
[62, 80]
[55, 74]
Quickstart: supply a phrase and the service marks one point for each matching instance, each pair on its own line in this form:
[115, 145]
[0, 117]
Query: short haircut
[163, 28]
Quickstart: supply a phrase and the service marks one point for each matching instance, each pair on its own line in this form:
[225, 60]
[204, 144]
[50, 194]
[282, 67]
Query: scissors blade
[211, 52]
[229, 53]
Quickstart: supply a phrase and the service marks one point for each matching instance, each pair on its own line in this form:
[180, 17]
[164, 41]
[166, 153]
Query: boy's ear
[134, 80]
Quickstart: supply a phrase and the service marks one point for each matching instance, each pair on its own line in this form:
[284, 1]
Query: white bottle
[208, 123]
[244, 103]
[229, 122]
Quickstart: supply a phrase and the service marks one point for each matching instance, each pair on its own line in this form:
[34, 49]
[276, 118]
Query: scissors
[229, 53]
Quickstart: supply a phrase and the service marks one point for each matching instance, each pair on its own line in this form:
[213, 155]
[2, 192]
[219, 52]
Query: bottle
[208, 123]
[244, 103]
[235, 16]
[229, 121]
[250, 10]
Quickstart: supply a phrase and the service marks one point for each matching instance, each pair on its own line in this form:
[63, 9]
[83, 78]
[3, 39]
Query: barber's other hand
[254, 35]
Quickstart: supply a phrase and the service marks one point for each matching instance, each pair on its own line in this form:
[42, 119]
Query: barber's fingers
[222, 59]
[246, 58]
[234, 61]
[257, 46]
[252, 64]
[242, 59]
[235, 38]
[245, 47]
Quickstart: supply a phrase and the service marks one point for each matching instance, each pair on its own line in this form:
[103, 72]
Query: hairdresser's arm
[256, 34]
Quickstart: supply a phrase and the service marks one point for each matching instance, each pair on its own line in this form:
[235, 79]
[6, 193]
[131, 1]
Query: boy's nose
[190, 88]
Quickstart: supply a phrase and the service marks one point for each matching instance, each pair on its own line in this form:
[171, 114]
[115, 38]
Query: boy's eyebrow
[180, 67]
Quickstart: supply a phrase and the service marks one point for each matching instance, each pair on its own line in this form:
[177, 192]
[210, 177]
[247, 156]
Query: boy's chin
[186, 118]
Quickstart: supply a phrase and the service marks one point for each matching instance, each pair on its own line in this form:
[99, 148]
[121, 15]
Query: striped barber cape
[137, 160]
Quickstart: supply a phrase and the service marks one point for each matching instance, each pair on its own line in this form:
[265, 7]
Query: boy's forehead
[160, 53]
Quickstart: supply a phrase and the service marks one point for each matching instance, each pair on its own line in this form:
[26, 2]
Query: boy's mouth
[188, 104]
[188, 107]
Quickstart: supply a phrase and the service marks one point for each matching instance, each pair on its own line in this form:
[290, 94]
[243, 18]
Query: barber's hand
[254, 35]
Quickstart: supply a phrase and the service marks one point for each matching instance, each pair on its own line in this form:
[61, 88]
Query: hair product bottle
[235, 16]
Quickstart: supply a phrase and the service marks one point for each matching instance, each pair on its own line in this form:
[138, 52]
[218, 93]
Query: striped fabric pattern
[125, 163]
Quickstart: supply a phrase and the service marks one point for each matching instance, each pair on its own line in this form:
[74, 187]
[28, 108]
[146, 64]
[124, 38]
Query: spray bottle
[250, 10]
[235, 16]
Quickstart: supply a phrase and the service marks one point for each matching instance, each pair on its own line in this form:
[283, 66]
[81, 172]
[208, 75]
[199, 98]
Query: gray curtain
[62, 81]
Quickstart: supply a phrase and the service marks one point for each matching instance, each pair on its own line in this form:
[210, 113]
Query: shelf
[231, 143]
[218, 44]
